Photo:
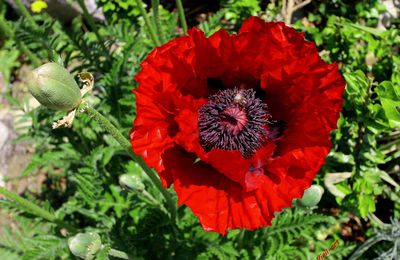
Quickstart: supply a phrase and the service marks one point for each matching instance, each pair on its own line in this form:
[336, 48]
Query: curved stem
[118, 254]
[111, 129]
[150, 198]
[92, 24]
[8, 32]
[34, 209]
[148, 23]
[26, 14]
[88, 17]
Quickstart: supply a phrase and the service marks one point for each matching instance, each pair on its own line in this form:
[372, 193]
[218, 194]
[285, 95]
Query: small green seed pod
[54, 87]
[311, 196]
[85, 245]
[131, 182]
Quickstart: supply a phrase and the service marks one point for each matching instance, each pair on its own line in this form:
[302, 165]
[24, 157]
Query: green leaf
[386, 177]
[374, 31]
[366, 204]
[389, 95]
[356, 91]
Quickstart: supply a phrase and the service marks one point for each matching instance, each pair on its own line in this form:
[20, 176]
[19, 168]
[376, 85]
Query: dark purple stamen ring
[234, 119]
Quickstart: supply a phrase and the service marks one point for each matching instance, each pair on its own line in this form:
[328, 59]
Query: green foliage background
[361, 204]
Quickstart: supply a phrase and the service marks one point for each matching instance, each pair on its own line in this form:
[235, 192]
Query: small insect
[239, 99]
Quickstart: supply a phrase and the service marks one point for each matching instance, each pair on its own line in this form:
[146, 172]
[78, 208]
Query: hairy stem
[8, 32]
[150, 198]
[32, 208]
[150, 26]
[35, 209]
[26, 14]
[156, 18]
[111, 129]
[181, 13]
[118, 254]
[89, 18]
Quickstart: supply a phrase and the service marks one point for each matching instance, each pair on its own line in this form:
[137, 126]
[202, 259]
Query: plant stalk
[35, 209]
[111, 129]
[90, 21]
[156, 18]
[150, 198]
[7, 31]
[148, 23]
[181, 13]
[26, 14]
[118, 254]
[89, 18]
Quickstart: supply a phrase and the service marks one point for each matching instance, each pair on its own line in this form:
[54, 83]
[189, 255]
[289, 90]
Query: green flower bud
[54, 87]
[131, 182]
[311, 196]
[85, 245]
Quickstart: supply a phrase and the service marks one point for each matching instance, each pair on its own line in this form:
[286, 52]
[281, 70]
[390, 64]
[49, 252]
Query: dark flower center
[234, 119]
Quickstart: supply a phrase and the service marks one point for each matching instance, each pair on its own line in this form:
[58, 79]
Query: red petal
[221, 204]
[218, 202]
[150, 135]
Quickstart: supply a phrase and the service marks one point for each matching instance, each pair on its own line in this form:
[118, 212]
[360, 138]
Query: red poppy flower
[239, 124]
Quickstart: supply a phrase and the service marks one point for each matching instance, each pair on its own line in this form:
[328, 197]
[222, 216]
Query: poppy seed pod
[85, 245]
[311, 196]
[54, 87]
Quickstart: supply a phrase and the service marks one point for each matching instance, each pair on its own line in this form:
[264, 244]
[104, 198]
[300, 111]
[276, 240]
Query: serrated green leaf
[366, 204]
[389, 95]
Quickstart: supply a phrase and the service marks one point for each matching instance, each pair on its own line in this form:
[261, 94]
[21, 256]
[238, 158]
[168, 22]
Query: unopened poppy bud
[85, 245]
[131, 182]
[54, 87]
[311, 196]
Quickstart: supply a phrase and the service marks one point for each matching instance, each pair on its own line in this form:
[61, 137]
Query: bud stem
[26, 14]
[111, 129]
[8, 32]
[150, 198]
[117, 253]
[89, 19]
[35, 209]
[150, 26]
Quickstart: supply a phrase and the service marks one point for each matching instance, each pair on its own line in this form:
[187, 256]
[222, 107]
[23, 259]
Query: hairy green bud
[85, 245]
[131, 182]
[311, 196]
[54, 87]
